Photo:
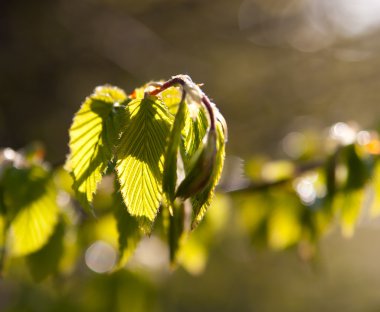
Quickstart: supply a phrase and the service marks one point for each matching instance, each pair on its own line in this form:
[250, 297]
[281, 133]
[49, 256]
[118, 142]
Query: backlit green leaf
[140, 157]
[30, 197]
[348, 206]
[127, 227]
[195, 129]
[284, 226]
[176, 229]
[92, 136]
[375, 207]
[2, 232]
[200, 168]
[171, 98]
[358, 170]
[170, 164]
[45, 261]
[201, 200]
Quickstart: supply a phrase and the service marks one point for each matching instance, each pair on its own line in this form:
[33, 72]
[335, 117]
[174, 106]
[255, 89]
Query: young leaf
[349, 204]
[172, 98]
[45, 261]
[2, 204]
[176, 229]
[201, 167]
[30, 197]
[140, 157]
[170, 164]
[194, 131]
[128, 229]
[92, 136]
[358, 171]
[201, 200]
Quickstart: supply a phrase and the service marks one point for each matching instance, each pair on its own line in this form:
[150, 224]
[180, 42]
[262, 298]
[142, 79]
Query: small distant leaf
[278, 170]
[92, 136]
[170, 164]
[32, 209]
[375, 207]
[128, 229]
[193, 256]
[2, 204]
[330, 176]
[284, 227]
[140, 157]
[358, 172]
[2, 231]
[348, 206]
[348, 203]
[45, 261]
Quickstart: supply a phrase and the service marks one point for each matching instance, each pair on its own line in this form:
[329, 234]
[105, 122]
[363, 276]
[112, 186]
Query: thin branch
[183, 82]
[264, 185]
[166, 85]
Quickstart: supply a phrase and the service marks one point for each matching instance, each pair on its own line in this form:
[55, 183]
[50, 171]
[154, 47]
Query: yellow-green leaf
[171, 98]
[45, 261]
[140, 156]
[176, 229]
[30, 197]
[201, 201]
[200, 168]
[348, 206]
[127, 228]
[170, 163]
[92, 136]
[195, 129]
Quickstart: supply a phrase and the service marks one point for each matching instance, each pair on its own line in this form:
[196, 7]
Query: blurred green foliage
[280, 205]
[277, 69]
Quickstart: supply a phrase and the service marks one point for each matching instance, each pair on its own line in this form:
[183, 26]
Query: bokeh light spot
[100, 257]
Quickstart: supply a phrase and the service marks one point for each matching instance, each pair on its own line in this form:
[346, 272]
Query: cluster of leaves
[288, 205]
[165, 146]
[162, 149]
[29, 213]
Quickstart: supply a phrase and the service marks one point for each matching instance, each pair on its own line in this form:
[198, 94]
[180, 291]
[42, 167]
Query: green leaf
[176, 229]
[375, 207]
[194, 131]
[358, 170]
[200, 168]
[30, 197]
[170, 164]
[330, 175]
[92, 136]
[45, 261]
[348, 205]
[284, 226]
[140, 157]
[201, 201]
[128, 229]
[2, 204]
[171, 98]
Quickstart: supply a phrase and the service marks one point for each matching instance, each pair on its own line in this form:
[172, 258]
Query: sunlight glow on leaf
[92, 137]
[34, 210]
[140, 157]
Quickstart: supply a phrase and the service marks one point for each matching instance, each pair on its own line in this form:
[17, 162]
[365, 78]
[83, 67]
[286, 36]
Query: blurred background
[273, 67]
